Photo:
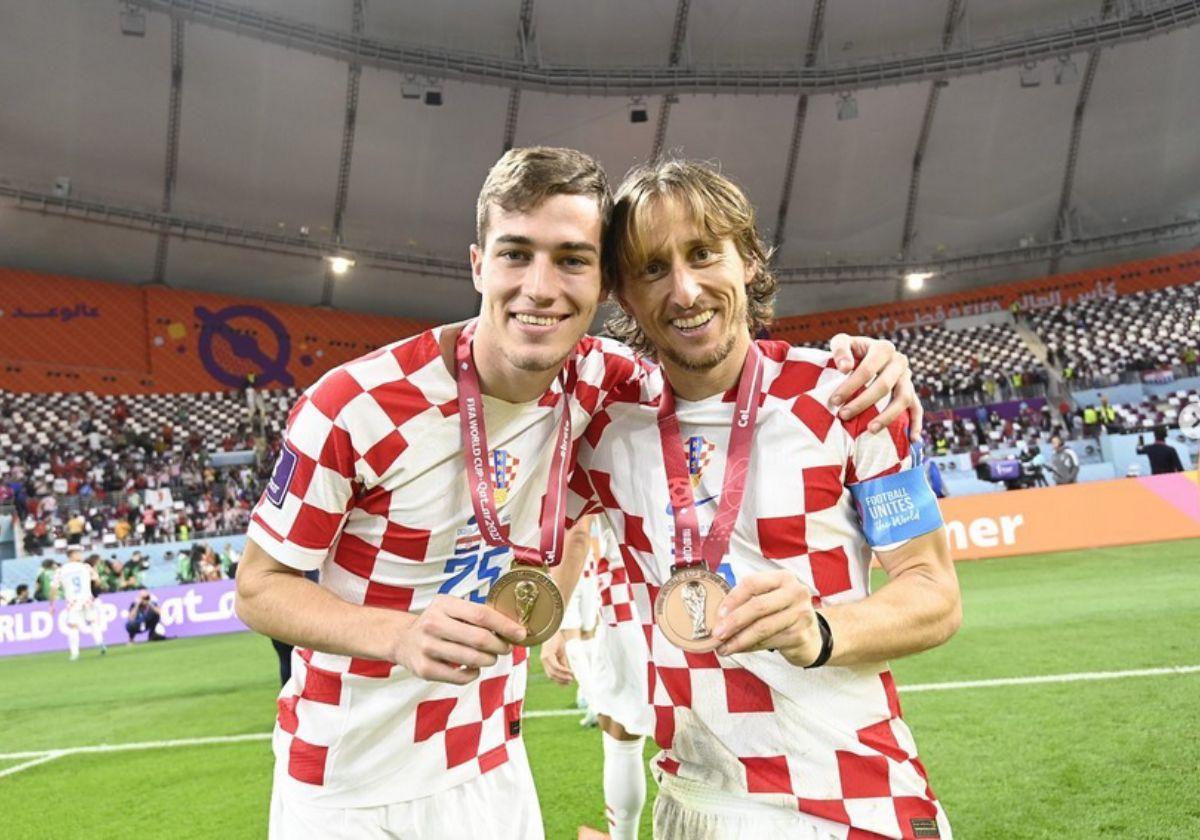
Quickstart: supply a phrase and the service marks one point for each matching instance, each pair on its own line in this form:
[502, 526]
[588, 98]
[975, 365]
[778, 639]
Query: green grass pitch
[1116, 758]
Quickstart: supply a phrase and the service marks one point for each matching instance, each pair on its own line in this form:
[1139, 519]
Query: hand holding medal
[686, 607]
[526, 592]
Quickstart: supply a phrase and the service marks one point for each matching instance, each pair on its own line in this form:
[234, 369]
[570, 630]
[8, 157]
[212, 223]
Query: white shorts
[685, 809]
[583, 610]
[500, 804]
[81, 614]
[618, 677]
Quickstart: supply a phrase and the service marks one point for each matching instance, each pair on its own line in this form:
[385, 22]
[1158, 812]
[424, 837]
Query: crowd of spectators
[120, 483]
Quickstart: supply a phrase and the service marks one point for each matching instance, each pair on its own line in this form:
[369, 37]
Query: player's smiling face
[539, 274]
[688, 294]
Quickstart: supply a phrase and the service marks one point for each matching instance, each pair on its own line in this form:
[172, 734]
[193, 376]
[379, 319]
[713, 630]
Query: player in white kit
[613, 677]
[74, 580]
[776, 712]
[403, 713]
[578, 629]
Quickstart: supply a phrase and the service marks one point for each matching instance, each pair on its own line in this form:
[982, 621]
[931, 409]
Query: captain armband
[898, 507]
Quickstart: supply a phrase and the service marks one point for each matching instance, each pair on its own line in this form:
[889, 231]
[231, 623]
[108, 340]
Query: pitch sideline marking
[25, 765]
[1002, 681]
[42, 756]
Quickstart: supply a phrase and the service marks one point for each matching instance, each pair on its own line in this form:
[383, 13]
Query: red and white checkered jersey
[830, 741]
[612, 581]
[371, 489]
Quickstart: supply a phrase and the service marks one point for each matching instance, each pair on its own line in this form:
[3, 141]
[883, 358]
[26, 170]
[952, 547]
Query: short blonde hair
[523, 178]
[714, 203]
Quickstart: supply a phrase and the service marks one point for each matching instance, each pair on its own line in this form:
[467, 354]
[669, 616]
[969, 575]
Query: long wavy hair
[714, 204]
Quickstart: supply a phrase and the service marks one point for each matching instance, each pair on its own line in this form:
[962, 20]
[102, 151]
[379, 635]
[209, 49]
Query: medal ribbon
[483, 496]
[689, 549]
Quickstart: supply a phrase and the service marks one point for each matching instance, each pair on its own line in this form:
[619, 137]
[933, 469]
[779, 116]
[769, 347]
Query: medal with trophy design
[528, 596]
[525, 593]
[686, 607]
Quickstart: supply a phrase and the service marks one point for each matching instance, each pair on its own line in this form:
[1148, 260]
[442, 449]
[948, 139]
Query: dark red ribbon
[475, 449]
[690, 550]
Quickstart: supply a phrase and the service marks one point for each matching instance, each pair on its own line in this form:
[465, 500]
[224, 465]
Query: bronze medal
[528, 596]
[686, 608]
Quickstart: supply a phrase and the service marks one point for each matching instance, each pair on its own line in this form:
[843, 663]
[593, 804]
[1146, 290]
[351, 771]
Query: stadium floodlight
[915, 280]
[1031, 77]
[637, 111]
[133, 21]
[1065, 72]
[433, 97]
[410, 88]
[847, 106]
[339, 264]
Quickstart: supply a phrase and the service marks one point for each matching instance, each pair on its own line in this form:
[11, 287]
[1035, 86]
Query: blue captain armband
[897, 507]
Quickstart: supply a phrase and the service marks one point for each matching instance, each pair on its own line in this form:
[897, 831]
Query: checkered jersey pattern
[612, 581]
[371, 489]
[831, 741]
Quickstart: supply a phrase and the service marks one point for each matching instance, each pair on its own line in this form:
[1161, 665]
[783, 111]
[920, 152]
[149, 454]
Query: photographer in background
[131, 572]
[144, 617]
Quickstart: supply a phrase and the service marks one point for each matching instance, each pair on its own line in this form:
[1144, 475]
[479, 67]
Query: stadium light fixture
[433, 97]
[1065, 72]
[637, 111]
[1031, 77]
[133, 21]
[339, 264]
[847, 106]
[410, 88]
[915, 280]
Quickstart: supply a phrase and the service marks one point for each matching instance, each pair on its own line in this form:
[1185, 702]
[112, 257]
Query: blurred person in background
[77, 580]
[229, 561]
[45, 580]
[131, 572]
[183, 567]
[1064, 462]
[1163, 457]
[144, 616]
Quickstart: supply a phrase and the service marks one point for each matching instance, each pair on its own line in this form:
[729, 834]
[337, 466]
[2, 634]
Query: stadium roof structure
[232, 145]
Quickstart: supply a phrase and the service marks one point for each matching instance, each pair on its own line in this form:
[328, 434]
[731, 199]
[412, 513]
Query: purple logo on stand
[226, 358]
[285, 468]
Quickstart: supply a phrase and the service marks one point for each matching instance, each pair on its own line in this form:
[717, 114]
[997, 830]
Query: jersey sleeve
[876, 454]
[891, 492]
[311, 489]
[581, 495]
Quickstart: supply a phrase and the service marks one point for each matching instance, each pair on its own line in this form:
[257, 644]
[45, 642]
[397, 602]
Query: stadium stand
[108, 471]
[1104, 341]
[982, 363]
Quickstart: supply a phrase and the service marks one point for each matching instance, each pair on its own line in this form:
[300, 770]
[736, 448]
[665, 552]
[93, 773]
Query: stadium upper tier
[977, 364]
[1105, 338]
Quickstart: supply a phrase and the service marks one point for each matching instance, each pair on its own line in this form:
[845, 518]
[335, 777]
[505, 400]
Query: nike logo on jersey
[699, 503]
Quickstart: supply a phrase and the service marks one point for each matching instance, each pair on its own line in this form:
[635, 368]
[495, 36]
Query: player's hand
[554, 660]
[770, 610]
[454, 638]
[879, 369]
